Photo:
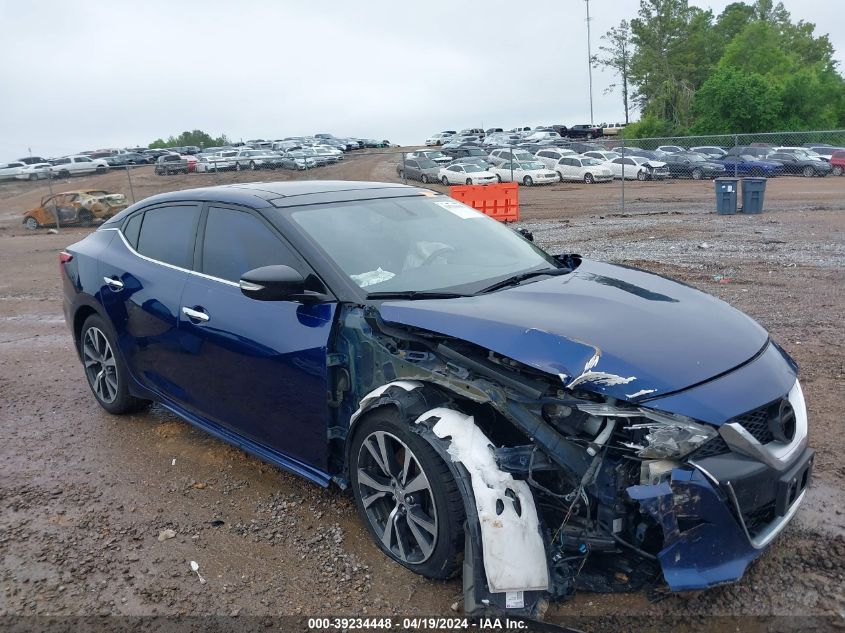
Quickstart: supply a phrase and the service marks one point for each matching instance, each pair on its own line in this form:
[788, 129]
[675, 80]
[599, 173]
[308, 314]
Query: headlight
[670, 436]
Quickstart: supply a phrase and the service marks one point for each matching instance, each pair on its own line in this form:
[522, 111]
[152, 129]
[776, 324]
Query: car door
[81, 165]
[143, 273]
[412, 169]
[257, 368]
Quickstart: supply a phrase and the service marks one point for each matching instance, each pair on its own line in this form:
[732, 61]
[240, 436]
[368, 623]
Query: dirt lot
[84, 496]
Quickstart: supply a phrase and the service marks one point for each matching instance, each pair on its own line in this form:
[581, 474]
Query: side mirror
[277, 283]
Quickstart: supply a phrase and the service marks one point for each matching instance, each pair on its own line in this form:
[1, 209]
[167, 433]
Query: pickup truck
[171, 164]
[584, 131]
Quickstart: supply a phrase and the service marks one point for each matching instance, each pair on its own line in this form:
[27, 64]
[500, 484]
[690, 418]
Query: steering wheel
[440, 251]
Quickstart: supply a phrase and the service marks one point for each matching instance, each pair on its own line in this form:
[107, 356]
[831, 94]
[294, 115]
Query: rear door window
[168, 233]
[132, 228]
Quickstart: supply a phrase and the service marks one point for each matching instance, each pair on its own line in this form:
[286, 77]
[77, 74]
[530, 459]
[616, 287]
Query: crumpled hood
[609, 329]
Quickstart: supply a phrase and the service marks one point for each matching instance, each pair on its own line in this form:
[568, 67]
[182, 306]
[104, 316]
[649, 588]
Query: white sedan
[527, 172]
[437, 139]
[604, 157]
[551, 155]
[466, 175]
[638, 168]
[35, 171]
[582, 168]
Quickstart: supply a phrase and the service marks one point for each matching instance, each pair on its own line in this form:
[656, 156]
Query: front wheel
[252, 165]
[406, 495]
[424, 179]
[838, 170]
[104, 369]
[101, 170]
[697, 174]
[588, 178]
[33, 176]
[499, 178]
[31, 223]
[641, 176]
[528, 181]
[469, 181]
[237, 166]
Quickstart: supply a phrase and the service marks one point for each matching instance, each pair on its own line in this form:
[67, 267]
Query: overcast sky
[89, 74]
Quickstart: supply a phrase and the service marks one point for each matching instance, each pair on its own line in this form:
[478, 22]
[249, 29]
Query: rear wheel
[809, 172]
[588, 178]
[838, 170]
[424, 179]
[406, 495]
[33, 176]
[445, 181]
[31, 223]
[237, 166]
[104, 369]
[499, 178]
[559, 176]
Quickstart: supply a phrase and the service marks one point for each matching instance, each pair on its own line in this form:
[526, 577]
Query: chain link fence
[607, 174]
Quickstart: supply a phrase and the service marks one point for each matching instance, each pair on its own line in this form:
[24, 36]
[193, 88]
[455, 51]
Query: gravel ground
[103, 515]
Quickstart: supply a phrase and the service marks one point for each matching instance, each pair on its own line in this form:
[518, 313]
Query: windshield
[419, 244]
[696, 158]
[533, 165]
[523, 155]
[434, 154]
[587, 162]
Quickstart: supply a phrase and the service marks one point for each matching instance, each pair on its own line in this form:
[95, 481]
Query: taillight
[64, 258]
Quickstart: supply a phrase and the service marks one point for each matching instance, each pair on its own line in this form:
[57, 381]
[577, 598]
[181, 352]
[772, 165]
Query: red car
[837, 162]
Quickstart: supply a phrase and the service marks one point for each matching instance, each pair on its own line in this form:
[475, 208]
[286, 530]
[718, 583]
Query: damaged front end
[569, 488]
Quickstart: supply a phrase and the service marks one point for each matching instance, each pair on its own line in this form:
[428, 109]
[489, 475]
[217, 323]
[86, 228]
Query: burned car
[542, 423]
[81, 207]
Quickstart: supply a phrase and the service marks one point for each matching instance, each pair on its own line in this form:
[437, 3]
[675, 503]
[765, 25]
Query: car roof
[287, 194]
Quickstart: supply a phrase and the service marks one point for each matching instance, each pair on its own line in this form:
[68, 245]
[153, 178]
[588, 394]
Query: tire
[64, 174]
[111, 389]
[237, 166]
[86, 218]
[252, 165]
[809, 172]
[697, 174]
[469, 181]
[588, 178]
[445, 181]
[402, 174]
[499, 178]
[436, 552]
[559, 176]
[838, 170]
[424, 179]
[31, 223]
[528, 181]
[33, 176]
[101, 170]
[641, 175]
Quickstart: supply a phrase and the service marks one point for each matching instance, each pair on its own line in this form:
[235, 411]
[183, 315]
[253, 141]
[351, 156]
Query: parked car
[549, 156]
[255, 159]
[169, 164]
[472, 160]
[750, 166]
[581, 147]
[758, 151]
[77, 166]
[500, 156]
[75, 207]
[31, 160]
[472, 131]
[437, 156]
[709, 150]
[837, 163]
[605, 157]
[588, 170]
[10, 171]
[465, 175]
[539, 135]
[584, 131]
[434, 362]
[637, 168]
[693, 165]
[129, 158]
[460, 141]
[798, 164]
[824, 150]
[34, 171]
[422, 169]
[437, 139]
[528, 173]
[671, 149]
[298, 160]
[465, 152]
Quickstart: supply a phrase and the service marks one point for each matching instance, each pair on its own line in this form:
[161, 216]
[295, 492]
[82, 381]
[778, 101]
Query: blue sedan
[750, 166]
[527, 418]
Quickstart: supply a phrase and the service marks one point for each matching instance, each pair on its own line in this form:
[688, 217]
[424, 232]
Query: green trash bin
[726, 189]
[753, 194]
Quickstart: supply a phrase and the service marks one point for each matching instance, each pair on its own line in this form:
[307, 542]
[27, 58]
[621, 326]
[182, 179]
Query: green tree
[735, 101]
[615, 55]
[194, 137]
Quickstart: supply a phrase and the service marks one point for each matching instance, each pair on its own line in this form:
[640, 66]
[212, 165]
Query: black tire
[86, 218]
[588, 178]
[445, 181]
[33, 176]
[838, 170]
[809, 172]
[252, 165]
[101, 170]
[64, 174]
[641, 175]
[401, 174]
[469, 181]
[123, 401]
[697, 174]
[237, 166]
[528, 181]
[424, 179]
[445, 557]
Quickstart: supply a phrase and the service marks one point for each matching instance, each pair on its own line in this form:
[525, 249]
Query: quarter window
[167, 234]
[237, 241]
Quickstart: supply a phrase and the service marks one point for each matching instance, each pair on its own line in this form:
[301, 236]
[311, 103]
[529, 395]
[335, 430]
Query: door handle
[195, 315]
[114, 284]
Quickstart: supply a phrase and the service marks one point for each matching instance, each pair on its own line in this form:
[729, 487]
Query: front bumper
[719, 516]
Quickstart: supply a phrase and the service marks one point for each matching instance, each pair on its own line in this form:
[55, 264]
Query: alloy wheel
[397, 497]
[100, 364]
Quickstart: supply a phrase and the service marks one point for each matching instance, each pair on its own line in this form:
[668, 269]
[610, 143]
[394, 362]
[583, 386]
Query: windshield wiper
[410, 295]
[515, 280]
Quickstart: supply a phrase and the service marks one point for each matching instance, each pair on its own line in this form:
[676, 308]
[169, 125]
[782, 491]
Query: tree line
[749, 69]
[197, 138]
